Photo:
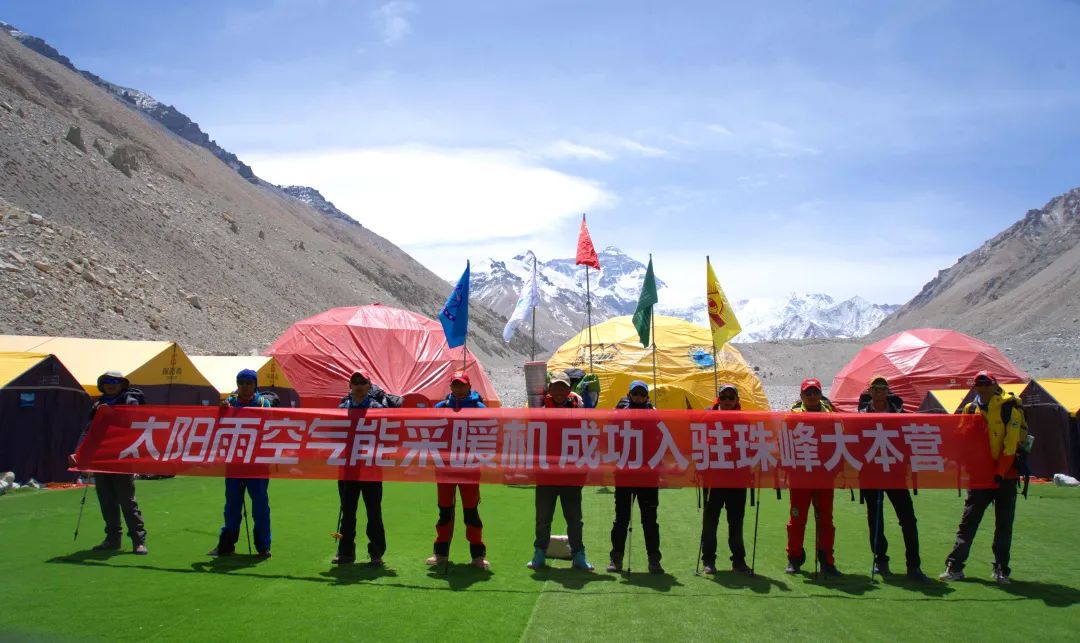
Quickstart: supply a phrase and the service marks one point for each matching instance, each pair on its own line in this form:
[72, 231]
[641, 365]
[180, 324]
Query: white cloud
[638, 147]
[716, 128]
[392, 19]
[419, 196]
[563, 149]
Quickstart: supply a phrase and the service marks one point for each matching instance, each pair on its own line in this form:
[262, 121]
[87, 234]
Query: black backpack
[272, 397]
[1023, 468]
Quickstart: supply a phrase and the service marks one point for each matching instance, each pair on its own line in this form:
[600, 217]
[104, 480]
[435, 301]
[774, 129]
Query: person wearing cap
[461, 396]
[811, 401]
[717, 498]
[559, 396]
[245, 395]
[1004, 427]
[349, 491]
[648, 500]
[116, 491]
[879, 399]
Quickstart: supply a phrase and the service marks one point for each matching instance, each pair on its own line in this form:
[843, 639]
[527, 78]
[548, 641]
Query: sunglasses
[812, 391]
[358, 382]
[111, 380]
[880, 387]
[729, 397]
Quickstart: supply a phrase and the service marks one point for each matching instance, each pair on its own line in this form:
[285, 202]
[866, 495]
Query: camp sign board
[660, 448]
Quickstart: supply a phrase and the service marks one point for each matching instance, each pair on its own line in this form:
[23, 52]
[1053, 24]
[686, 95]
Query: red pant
[444, 528]
[801, 499]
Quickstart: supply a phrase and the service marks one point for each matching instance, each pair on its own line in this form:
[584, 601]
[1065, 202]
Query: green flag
[643, 314]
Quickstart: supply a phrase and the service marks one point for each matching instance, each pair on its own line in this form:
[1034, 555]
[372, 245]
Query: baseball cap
[810, 383]
[460, 376]
[879, 379]
[985, 375]
[359, 377]
[636, 384]
[560, 376]
[111, 377]
[247, 374]
[727, 386]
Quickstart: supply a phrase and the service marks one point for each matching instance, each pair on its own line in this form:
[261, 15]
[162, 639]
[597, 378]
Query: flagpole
[715, 367]
[652, 333]
[465, 354]
[588, 316]
[533, 326]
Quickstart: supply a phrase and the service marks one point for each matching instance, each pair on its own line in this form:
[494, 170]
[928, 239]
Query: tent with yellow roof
[950, 400]
[160, 369]
[43, 411]
[1051, 406]
[684, 364]
[221, 370]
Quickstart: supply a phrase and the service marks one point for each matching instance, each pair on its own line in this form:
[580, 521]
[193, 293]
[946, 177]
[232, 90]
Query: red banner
[546, 446]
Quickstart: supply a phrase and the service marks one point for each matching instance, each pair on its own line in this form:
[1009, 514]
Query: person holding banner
[361, 396]
[559, 396]
[727, 399]
[461, 397]
[116, 491]
[1005, 426]
[811, 401]
[246, 395]
[648, 499]
[879, 399]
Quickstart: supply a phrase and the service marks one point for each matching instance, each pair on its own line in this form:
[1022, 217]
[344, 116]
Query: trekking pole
[337, 532]
[757, 515]
[701, 538]
[243, 503]
[879, 527]
[817, 536]
[630, 537]
[82, 505]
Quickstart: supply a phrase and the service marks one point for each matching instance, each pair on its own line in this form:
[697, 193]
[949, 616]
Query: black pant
[648, 500]
[350, 491]
[715, 501]
[905, 513]
[570, 499]
[1004, 498]
[116, 494]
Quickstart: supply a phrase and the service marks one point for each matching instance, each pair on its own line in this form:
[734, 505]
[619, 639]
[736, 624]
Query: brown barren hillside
[112, 226]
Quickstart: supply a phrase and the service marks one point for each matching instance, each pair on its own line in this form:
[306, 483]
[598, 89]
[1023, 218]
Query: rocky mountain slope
[1020, 290]
[112, 225]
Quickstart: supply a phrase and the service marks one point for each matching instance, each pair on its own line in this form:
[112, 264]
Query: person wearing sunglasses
[717, 499]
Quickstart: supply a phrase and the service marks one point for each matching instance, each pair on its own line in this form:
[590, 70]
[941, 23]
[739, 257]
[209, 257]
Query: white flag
[527, 300]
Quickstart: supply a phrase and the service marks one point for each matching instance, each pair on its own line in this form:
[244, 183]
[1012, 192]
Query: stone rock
[111, 271]
[28, 290]
[16, 256]
[125, 158]
[5, 106]
[43, 266]
[9, 267]
[100, 147]
[36, 219]
[235, 228]
[194, 301]
[262, 235]
[90, 277]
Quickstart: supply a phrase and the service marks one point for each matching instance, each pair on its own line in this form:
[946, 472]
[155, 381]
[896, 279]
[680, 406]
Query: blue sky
[839, 147]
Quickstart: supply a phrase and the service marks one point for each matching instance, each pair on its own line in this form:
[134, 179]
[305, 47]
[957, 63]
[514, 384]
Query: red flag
[586, 253]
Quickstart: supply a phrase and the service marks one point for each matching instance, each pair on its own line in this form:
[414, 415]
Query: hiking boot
[579, 562]
[343, 559]
[221, 550]
[376, 561]
[615, 565]
[107, 545]
[481, 563]
[435, 559]
[708, 569]
[792, 568]
[830, 571]
[916, 574]
[951, 574]
[539, 559]
[655, 567]
[740, 567]
[140, 550]
[881, 568]
[264, 554]
[1000, 577]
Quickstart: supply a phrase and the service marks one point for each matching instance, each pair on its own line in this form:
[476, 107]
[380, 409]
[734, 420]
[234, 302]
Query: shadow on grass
[1051, 594]
[90, 555]
[853, 584]
[459, 576]
[659, 582]
[757, 583]
[569, 578]
[362, 573]
[226, 564]
[932, 588]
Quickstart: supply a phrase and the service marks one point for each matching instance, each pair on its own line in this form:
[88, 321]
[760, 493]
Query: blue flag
[455, 314]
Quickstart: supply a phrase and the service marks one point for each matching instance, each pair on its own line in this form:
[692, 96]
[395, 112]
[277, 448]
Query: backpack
[272, 397]
[1023, 448]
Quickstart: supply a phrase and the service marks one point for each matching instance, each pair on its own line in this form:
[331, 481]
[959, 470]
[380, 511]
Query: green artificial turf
[57, 590]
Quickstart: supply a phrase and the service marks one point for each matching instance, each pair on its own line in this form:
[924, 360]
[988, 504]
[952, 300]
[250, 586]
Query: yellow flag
[722, 319]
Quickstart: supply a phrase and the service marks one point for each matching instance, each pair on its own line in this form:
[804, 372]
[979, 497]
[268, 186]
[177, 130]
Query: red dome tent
[920, 360]
[402, 351]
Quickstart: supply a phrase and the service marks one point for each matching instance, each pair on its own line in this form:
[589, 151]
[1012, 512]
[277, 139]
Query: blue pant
[260, 509]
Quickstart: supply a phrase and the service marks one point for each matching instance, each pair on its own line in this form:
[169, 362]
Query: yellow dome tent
[684, 364]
